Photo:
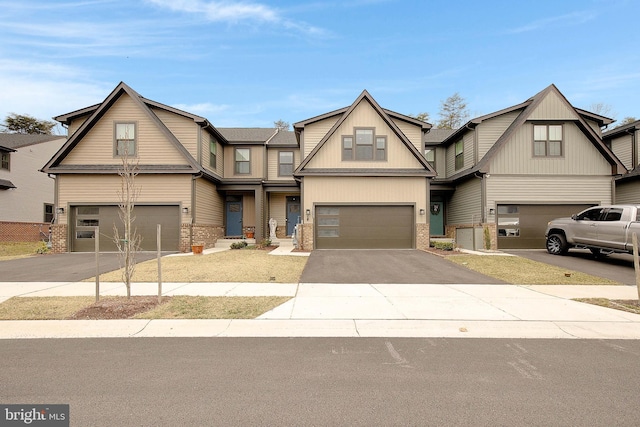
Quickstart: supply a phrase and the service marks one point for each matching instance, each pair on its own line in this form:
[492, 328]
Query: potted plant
[197, 249]
[250, 232]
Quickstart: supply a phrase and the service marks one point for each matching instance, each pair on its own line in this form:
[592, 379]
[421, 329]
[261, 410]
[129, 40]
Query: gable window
[364, 145]
[243, 160]
[213, 152]
[547, 140]
[48, 212]
[430, 155]
[285, 163]
[4, 160]
[459, 154]
[125, 139]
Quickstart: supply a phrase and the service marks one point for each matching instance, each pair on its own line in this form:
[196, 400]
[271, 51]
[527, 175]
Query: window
[4, 160]
[364, 145]
[243, 160]
[547, 140]
[592, 214]
[48, 212]
[285, 163]
[125, 139]
[508, 221]
[213, 151]
[430, 155]
[459, 154]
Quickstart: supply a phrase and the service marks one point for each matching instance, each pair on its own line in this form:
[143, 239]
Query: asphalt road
[618, 267]
[329, 381]
[386, 266]
[67, 267]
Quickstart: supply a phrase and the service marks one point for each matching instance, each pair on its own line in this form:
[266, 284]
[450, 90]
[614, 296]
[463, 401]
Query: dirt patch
[441, 252]
[118, 308]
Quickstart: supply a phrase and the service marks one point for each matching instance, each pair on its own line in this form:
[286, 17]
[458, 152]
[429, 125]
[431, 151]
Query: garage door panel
[364, 227]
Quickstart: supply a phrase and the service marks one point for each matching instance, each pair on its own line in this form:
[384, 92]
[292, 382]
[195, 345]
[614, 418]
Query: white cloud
[202, 109]
[555, 21]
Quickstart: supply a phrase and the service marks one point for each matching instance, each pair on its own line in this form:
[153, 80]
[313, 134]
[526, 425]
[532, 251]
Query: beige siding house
[358, 177]
[26, 194]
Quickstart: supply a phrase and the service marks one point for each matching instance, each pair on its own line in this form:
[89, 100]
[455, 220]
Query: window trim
[50, 214]
[459, 157]
[116, 140]
[280, 163]
[213, 152]
[431, 162]
[547, 141]
[5, 159]
[236, 162]
[351, 153]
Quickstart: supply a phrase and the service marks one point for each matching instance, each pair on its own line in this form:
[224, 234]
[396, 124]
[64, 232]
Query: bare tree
[453, 112]
[281, 124]
[128, 244]
[424, 116]
[602, 109]
[626, 121]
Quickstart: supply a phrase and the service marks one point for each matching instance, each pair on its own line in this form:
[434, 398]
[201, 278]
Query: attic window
[547, 140]
[125, 144]
[361, 146]
[4, 160]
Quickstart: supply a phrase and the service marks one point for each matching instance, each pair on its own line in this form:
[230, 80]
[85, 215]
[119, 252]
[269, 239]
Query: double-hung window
[4, 160]
[364, 144]
[547, 140]
[285, 163]
[243, 161]
[213, 152]
[125, 144]
[459, 154]
[430, 155]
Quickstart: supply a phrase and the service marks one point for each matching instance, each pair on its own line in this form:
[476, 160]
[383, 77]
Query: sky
[250, 63]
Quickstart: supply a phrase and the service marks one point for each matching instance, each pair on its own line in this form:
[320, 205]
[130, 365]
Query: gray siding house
[624, 141]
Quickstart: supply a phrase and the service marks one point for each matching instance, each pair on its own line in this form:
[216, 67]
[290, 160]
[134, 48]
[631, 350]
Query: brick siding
[23, 231]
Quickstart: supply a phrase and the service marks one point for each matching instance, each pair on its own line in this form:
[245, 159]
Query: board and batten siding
[366, 190]
[185, 129]
[97, 146]
[314, 132]
[412, 132]
[628, 192]
[209, 207]
[548, 189]
[489, 131]
[465, 205]
[103, 189]
[364, 116]
[256, 161]
[580, 156]
[553, 107]
[273, 157]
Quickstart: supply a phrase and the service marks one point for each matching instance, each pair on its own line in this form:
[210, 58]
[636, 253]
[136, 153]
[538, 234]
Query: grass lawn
[244, 265]
[14, 250]
[522, 271]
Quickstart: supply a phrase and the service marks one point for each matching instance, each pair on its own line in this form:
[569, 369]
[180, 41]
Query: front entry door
[234, 216]
[293, 213]
[436, 224]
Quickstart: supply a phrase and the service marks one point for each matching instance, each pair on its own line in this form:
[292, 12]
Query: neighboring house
[504, 175]
[26, 194]
[358, 177]
[624, 141]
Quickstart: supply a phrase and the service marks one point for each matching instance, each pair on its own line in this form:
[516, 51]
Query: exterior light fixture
[422, 211]
[308, 212]
[60, 211]
[185, 210]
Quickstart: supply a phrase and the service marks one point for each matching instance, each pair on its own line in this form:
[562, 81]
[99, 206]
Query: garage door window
[508, 221]
[328, 220]
[87, 218]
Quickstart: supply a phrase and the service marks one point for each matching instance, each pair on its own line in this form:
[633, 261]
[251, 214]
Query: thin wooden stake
[159, 245]
[97, 239]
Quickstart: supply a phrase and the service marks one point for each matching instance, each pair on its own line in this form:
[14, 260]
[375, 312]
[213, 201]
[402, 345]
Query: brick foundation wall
[59, 238]
[22, 231]
[307, 237]
[199, 234]
[422, 236]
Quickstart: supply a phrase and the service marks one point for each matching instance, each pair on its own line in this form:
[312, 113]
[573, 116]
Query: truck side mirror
[574, 217]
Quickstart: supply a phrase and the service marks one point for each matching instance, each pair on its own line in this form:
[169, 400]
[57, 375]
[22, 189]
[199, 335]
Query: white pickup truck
[601, 229]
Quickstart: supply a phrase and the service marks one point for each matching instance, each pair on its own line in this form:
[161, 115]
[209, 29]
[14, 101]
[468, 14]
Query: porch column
[259, 209]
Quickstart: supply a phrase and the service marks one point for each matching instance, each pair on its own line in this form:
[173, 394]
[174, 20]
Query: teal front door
[436, 225]
[234, 217]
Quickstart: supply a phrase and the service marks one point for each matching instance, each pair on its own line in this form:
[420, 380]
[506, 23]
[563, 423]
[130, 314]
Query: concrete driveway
[618, 267]
[386, 266]
[68, 267]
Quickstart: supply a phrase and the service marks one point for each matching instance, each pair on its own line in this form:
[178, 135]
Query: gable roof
[384, 115]
[528, 107]
[629, 127]
[97, 112]
[248, 135]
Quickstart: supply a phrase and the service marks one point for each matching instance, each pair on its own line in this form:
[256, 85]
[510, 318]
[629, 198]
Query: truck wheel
[557, 244]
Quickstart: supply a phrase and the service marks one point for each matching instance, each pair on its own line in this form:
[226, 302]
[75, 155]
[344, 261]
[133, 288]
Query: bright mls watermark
[34, 415]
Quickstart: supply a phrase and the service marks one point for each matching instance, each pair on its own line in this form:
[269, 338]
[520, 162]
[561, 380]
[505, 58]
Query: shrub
[443, 246]
[42, 248]
[239, 245]
[265, 242]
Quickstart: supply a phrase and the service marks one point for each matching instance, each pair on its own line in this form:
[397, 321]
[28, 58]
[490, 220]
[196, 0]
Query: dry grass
[253, 266]
[194, 307]
[632, 306]
[14, 250]
[179, 307]
[522, 271]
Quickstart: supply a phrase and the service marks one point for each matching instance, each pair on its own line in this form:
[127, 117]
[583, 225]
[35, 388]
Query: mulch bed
[117, 308]
[441, 252]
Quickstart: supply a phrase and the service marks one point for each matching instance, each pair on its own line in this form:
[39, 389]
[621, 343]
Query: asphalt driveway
[68, 267]
[387, 266]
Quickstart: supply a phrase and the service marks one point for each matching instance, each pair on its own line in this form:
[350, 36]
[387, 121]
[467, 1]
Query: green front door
[436, 224]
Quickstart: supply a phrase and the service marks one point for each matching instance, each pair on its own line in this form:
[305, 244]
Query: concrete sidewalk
[356, 310]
